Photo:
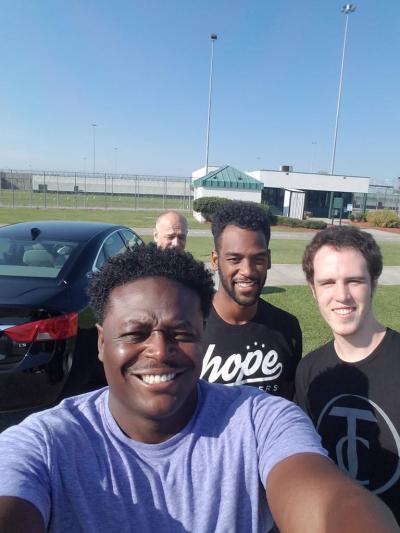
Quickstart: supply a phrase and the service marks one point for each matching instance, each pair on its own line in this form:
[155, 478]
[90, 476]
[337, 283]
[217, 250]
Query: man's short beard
[232, 293]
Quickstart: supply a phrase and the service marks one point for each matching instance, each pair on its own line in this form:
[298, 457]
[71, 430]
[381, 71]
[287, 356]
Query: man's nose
[341, 291]
[159, 346]
[247, 267]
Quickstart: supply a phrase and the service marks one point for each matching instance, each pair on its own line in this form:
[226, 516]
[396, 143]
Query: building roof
[228, 178]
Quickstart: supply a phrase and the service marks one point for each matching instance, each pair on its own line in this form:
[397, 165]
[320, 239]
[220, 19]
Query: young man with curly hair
[159, 449]
[350, 387]
[247, 340]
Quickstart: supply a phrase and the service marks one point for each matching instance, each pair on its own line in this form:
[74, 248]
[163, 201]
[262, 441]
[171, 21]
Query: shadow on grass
[272, 290]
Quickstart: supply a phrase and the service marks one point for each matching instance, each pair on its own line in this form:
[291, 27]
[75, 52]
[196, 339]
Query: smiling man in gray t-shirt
[160, 449]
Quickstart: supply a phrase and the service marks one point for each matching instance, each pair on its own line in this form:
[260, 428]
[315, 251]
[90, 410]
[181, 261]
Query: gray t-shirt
[84, 474]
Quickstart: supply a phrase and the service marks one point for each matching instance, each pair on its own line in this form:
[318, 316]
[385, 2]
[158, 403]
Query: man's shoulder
[270, 312]
[393, 335]
[67, 417]
[320, 356]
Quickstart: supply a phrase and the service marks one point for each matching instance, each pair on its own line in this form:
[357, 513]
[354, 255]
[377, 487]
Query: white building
[225, 182]
[278, 188]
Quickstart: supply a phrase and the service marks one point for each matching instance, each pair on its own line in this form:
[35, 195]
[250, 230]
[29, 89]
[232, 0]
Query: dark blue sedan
[48, 341]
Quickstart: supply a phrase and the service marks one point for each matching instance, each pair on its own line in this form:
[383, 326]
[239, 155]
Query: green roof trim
[228, 178]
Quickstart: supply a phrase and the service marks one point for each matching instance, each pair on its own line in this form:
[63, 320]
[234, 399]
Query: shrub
[287, 221]
[351, 217]
[394, 224]
[359, 216]
[314, 224]
[381, 218]
[208, 205]
[297, 223]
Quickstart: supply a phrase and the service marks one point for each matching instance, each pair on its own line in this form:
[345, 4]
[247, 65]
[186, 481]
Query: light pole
[94, 148]
[115, 159]
[314, 147]
[346, 9]
[213, 38]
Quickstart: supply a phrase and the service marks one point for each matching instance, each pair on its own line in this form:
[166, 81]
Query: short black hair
[245, 215]
[150, 261]
[340, 237]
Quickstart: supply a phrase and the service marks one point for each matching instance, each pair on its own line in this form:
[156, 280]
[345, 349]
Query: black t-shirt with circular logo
[355, 408]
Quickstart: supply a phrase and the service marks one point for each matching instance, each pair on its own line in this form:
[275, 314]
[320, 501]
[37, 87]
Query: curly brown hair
[340, 237]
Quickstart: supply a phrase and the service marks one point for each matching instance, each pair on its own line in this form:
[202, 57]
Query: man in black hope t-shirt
[350, 387]
[247, 341]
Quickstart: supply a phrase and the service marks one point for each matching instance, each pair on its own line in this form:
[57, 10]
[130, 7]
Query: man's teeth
[245, 283]
[157, 378]
[343, 311]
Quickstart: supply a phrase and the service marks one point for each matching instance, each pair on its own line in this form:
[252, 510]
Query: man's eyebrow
[333, 279]
[137, 321]
[237, 254]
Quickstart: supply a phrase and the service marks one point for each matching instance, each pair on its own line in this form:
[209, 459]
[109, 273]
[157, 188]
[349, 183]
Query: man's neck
[230, 311]
[354, 348]
[146, 429]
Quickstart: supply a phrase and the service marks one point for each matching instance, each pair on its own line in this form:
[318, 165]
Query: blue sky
[140, 68]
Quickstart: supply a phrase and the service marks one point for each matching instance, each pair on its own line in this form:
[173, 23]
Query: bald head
[171, 230]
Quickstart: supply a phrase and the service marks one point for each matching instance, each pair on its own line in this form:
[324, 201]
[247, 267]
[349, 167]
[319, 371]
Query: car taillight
[48, 329]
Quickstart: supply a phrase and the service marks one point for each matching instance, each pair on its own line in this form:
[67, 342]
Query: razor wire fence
[76, 190]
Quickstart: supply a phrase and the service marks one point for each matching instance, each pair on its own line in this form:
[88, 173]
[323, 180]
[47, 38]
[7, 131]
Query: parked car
[48, 340]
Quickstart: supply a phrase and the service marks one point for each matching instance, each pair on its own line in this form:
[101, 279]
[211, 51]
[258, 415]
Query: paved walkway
[293, 275]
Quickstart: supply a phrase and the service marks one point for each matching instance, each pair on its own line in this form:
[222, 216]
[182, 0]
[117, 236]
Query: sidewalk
[280, 275]
[379, 235]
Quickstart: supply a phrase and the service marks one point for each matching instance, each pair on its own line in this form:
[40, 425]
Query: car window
[131, 238]
[113, 245]
[39, 258]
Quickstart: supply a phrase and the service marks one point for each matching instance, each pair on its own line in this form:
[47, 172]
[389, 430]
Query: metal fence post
[44, 189]
[12, 188]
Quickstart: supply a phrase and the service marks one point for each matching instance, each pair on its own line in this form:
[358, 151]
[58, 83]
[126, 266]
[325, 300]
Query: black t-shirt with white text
[355, 407]
[263, 353]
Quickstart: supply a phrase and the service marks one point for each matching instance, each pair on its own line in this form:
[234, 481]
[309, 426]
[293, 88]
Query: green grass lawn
[19, 198]
[298, 301]
[282, 250]
[140, 218]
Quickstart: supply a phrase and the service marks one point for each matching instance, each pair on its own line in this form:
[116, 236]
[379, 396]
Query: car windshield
[27, 258]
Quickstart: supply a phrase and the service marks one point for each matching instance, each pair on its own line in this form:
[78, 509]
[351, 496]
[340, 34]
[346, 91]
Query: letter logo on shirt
[353, 430]
[238, 369]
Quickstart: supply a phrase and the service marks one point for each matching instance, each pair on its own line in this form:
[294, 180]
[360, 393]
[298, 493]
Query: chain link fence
[77, 190]
[378, 197]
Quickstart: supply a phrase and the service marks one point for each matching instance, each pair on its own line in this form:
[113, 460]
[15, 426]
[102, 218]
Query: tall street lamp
[213, 38]
[115, 159]
[346, 9]
[94, 148]
[314, 148]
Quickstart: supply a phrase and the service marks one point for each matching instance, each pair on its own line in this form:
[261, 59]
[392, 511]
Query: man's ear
[100, 342]
[269, 263]
[214, 260]
[155, 235]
